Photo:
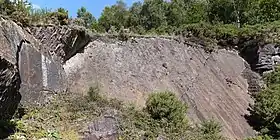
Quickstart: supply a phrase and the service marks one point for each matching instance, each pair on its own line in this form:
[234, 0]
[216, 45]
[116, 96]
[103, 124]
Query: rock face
[215, 85]
[268, 57]
[26, 66]
[262, 57]
[61, 42]
[9, 89]
[212, 84]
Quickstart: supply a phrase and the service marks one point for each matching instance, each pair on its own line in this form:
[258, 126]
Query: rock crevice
[9, 89]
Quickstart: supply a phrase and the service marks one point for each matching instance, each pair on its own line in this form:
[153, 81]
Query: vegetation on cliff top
[211, 18]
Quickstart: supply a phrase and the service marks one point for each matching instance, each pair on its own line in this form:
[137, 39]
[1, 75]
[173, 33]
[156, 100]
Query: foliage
[22, 12]
[6, 128]
[115, 15]
[211, 129]
[62, 16]
[17, 10]
[221, 11]
[269, 10]
[69, 113]
[87, 19]
[123, 34]
[64, 117]
[223, 17]
[165, 105]
[160, 118]
[265, 137]
[161, 17]
[273, 77]
[6, 7]
[93, 93]
[41, 16]
[265, 112]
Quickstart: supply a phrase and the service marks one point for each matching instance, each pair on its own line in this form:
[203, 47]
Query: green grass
[69, 114]
[63, 118]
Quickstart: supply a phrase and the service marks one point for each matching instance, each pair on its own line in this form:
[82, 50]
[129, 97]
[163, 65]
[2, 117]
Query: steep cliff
[212, 84]
[32, 71]
[215, 85]
[51, 59]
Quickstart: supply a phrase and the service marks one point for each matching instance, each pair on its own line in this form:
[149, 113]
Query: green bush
[123, 34]
[273, 77]
[165, 105]
[139, 124]
[265, 112]
[211, 129]
[93, 93]
[62, 16]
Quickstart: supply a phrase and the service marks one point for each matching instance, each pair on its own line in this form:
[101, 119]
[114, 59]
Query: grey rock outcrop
[215, 85]
[104, 128]
[261, 57]
[268, 57]
[35, 68]
[212, 84]
[62, 42]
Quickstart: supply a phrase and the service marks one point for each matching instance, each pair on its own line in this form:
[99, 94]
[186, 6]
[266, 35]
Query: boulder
[104, 128]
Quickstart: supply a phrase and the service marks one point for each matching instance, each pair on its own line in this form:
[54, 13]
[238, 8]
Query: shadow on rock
[9, 96]
[6, 128]
[253, 120]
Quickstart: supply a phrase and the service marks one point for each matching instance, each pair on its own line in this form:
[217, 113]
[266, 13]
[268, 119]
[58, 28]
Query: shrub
[123, 34]
[165, 105]
[265, 112]
[62, 16]
[273, 77]
[93, 93]
[211, 129]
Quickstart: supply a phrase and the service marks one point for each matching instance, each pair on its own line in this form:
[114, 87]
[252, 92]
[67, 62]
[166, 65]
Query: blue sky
[94, 6]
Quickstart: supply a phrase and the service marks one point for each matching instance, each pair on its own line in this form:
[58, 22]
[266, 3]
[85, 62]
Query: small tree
[87, 19]
[165, 105]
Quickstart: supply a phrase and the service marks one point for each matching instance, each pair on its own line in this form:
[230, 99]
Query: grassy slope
[69, 114]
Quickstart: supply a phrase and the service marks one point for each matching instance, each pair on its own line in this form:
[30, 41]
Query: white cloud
[35, 6]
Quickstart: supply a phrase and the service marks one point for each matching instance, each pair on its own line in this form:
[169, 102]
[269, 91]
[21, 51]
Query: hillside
[214, 85]
[177, 69]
